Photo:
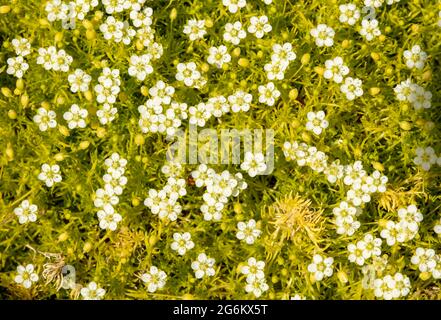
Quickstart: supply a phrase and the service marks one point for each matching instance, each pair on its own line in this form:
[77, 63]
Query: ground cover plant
[343, 203]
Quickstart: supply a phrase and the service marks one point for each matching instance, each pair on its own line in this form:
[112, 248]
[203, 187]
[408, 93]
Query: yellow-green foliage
[293, 205]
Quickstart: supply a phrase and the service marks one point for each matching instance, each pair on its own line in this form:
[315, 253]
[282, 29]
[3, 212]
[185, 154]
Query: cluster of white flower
[281, 56]
[45, 119]
[106, 198]
[18, 66]
[50, 174]
[392, 287]
[140, 66]
[154, 279]
[51, 59]
[219, 187]
[255, 277]
[345, 218]
[92, 292]
[321, 267]
[415, 57]
[109, 86]
[364, 249]
[407, 91]
[118, 31]
[248, 231]
[160, 113]
[26, 276]
[203, 266]
[164, 203]
[354, 176]
[26, 212]
[405, 229]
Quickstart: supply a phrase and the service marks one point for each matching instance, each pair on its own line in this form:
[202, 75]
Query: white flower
[175, 188]
[140, 67]
[234, 33]
[259, 26]
[199, 114]
[50, 174]
[349, 13]
[403, 90]
[356, 253]
[45, 119]
[425, 157]
[182, 242]
[79, 81]
[415, 57]
[154, 200]
[390, 287]
[324, 35]
[106, 113]
[257, 287]
[335, 69]
[142, 18]
[112, 29]
[411, 216]
[369, 29]
[51, 59]
[371, 246]
[21, 46]
[105, 197]
[218, 56]
[234, 5]
[373, 3]
[425, 259]
[154, 279]
[161, 93]
[275, 70]
[248, 231]
[115, 163]
[253, 270]
[195, 29]
[316, 122]
[203, 266]
[92, 292]
[26, 275]
[268, 94]
[298, 297]
[169, 209]
[108, 218]
[283, 52]
[109, 86]
[254, 164]
[321, 267]
[17, 67]
[352, 88]
[240, 101]
[345, 219]
[334, 171]
[56, 10]
[202, 175]
[116, 181]
[420, 98]
[219, 105]
[76, 117]
[188, 73]
[26, 212]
